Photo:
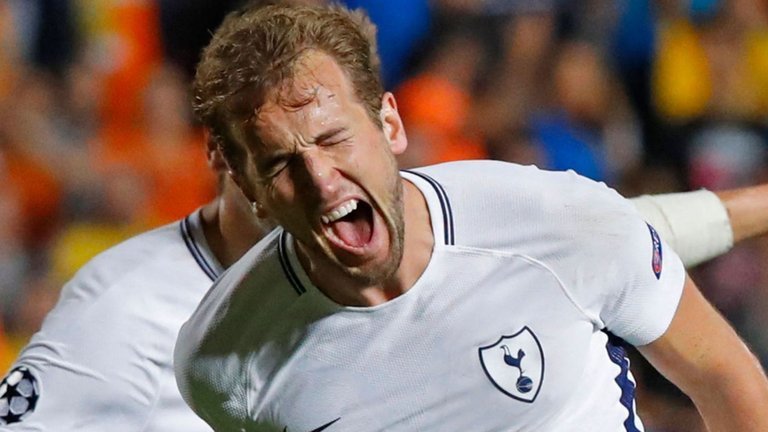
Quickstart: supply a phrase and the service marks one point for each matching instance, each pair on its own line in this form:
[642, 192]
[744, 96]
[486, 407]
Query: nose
[320, 172]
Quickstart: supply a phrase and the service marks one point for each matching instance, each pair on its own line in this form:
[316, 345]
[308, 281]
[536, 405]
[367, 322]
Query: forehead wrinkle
[317, 110]
[313, 70]
[287, 128]
[303, 91]
[306, 105]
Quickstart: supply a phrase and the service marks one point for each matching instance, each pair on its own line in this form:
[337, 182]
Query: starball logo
[656, 259]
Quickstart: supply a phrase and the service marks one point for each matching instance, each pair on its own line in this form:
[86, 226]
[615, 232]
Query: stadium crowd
[97, 142]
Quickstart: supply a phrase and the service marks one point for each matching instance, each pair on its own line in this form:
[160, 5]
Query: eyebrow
[329, 134]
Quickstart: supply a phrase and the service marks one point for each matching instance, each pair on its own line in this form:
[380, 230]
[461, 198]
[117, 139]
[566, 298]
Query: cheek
[280, 193]
[375, 154]
[356, 160]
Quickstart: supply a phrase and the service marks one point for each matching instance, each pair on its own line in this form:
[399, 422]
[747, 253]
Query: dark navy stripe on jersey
[194, 249]
[618, 355]
[445, 205]
[282, 247]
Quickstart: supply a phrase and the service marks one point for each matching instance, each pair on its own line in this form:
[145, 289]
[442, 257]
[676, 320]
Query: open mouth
[350, 225]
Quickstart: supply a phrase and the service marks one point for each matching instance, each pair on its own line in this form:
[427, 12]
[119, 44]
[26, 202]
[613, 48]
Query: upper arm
[748, 210]
[704, 356]
[96, 367]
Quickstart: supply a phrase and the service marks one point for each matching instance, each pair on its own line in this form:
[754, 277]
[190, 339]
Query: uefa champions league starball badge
[19, 393]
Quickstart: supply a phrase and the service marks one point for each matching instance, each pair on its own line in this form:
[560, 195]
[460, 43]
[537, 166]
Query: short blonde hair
[256, 48]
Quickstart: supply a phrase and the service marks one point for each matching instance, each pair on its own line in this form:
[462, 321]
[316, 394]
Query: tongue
[355, 232]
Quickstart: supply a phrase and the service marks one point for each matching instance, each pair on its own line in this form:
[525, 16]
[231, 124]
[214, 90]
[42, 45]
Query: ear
[238, 181]
[233, 176]
[392, 124]
[259, 210]
[213, 153]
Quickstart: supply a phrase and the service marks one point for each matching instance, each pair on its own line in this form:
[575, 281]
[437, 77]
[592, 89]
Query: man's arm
[748, 211]
[95, 364]
[705, 358]
[702, 225]
[695, 224]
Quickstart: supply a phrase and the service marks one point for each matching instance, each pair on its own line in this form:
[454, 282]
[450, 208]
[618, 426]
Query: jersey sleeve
[214, 358]
[94, 366]
[615, 266]
[210, 377]
[610, 263]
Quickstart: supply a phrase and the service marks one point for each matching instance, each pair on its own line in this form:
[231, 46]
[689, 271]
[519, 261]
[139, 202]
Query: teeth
[339, 212]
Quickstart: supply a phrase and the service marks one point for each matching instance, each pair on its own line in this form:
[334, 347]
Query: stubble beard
[371, 274]
[378, 274]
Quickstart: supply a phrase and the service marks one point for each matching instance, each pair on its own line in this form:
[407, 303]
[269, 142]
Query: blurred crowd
[97, 142]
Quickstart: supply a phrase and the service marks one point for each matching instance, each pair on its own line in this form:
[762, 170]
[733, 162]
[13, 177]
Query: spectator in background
[631, 51]
[713, 62]
[145, 176]
[27, 137]
[121, 213]
[402, 27]
[436, 102]
[186, 26]
[570, 130]
[709, 69]
[171, 148]
[14, 258]
[122, 40]
[163, 148]
[522, 39]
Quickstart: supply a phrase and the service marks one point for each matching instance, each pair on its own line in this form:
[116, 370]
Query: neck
[419, 242]
[417, 251]
[229, 226]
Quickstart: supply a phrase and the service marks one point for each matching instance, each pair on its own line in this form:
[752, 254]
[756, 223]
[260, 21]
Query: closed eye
[332, 137]
[273, 166]
[333, 142]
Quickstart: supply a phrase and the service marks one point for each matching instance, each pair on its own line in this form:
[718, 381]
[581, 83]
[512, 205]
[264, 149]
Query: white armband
[694, 224]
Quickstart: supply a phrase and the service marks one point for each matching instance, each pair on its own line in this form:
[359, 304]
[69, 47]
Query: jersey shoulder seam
[535, 261]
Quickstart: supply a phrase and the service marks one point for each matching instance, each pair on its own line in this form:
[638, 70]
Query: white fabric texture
[103, 358]
[512, 326]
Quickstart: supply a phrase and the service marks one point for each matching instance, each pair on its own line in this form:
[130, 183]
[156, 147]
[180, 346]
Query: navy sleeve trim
[194, 249]
[445, 206]
[285, 262]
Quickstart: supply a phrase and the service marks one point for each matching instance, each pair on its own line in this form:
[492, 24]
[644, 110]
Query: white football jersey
[103, 358]
[515, 325]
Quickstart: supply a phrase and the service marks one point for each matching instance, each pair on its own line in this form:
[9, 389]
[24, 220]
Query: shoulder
[258, 274]
[258, 268]
[231, 315]
[486, 179]
[139, 251]
[112, 332]
[147, 261]
[137, 290]
[499, 205]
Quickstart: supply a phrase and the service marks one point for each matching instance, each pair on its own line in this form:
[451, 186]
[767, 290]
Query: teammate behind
[103, 358]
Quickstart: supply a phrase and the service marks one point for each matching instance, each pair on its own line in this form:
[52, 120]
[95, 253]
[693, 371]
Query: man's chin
[371, 273]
